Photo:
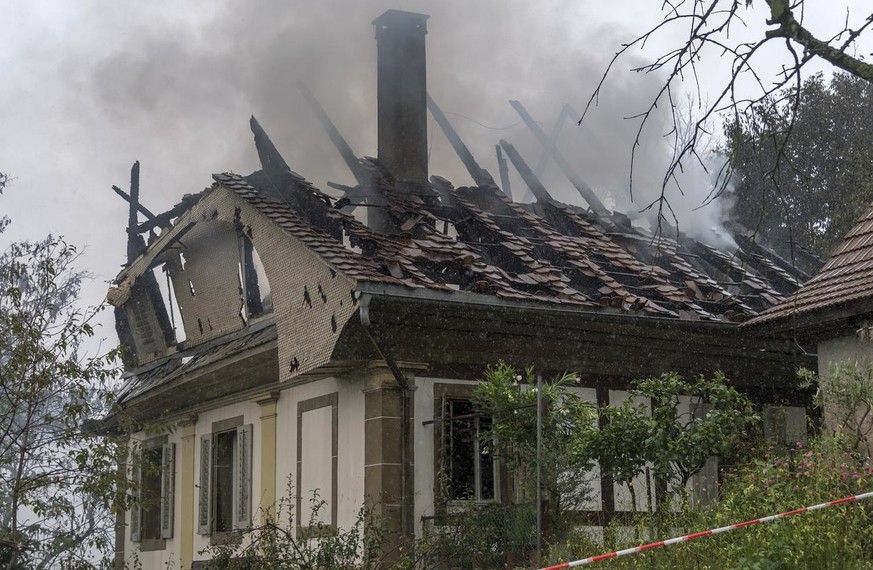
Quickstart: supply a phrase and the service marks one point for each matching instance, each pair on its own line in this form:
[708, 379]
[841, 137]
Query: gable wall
[309, 298]
[311, 302]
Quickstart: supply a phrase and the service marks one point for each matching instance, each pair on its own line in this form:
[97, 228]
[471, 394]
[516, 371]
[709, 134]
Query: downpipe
[405, 424]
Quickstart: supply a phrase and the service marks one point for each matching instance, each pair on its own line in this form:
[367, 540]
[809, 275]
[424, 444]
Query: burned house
[335, 351]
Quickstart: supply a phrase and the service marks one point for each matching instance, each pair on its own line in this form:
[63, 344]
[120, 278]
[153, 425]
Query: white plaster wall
[316, 476]
[350, 444]
[841, 349]
[169, 557]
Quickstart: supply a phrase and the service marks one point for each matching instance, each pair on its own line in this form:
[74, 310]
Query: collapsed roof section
[478, 239]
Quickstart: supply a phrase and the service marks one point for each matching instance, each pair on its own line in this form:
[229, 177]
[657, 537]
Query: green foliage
[57, 481]
[569, 423]
[473, 534]
[678, 444]
[845, 396]
[813, 185]
[774, 481]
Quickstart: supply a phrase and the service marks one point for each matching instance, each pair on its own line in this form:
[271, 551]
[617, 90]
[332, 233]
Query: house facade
[327, 354]
[833, 311]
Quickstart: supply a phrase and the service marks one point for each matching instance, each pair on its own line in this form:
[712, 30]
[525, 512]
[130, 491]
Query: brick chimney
[402, 95]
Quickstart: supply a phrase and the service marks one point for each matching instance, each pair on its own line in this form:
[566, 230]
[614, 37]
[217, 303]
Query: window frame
[241, 481]
[164, 473]
[443, 393]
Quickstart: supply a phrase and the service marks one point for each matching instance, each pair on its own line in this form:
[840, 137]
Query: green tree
[845, 397]
[678, 443]
[698, 32]
[809, 187]
[620, 444]
[57, 480]
[568, 424]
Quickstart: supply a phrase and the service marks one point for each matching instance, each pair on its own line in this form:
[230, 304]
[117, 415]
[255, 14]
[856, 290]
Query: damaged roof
[846, 278]
[478, 239]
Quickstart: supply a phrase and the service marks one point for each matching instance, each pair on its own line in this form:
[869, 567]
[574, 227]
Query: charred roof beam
[361, 174]
[533, 182]
[479, 175]
[584, 190]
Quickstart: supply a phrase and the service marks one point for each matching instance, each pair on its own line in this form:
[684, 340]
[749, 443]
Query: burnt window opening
[351, 243]
[257, 296]
[174, 309]
[470, 470]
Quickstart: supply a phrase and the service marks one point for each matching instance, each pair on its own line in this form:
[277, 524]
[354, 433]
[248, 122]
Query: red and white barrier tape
[701, 534]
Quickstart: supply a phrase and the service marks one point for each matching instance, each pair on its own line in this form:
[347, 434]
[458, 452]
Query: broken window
[470, 470]
[257, 298]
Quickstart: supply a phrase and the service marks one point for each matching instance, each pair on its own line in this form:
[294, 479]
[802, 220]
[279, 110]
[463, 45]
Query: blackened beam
[553, 138]
[503, 168]
[566, 111]
[539, 191]
[359, 172]
[272, 162]
[480, 176]
[135, 243]
[163, 219]
[584, 190]
[142, 209]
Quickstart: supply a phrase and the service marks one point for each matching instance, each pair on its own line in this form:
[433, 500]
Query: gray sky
[88, 87]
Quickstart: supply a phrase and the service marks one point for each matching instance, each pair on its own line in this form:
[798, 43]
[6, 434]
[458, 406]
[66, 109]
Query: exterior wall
[314, 300]
[841, 349]
[350, 445]
[274, 416]
[311, 301]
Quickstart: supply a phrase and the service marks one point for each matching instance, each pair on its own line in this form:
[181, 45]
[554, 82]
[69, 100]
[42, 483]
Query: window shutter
[168, 482]
[242, 496]
[136, 509]
[204, 517]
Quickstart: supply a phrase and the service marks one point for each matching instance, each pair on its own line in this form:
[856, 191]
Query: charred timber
[533, 183]
[584, 190]
[503, 169]
[142, 209]
[359, 172]
[480, 176]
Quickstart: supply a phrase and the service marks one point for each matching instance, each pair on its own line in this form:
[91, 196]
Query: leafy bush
[778, 480]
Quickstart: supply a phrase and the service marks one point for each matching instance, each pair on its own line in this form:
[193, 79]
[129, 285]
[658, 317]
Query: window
[470, 471]
[225, 502]
[151, 519]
